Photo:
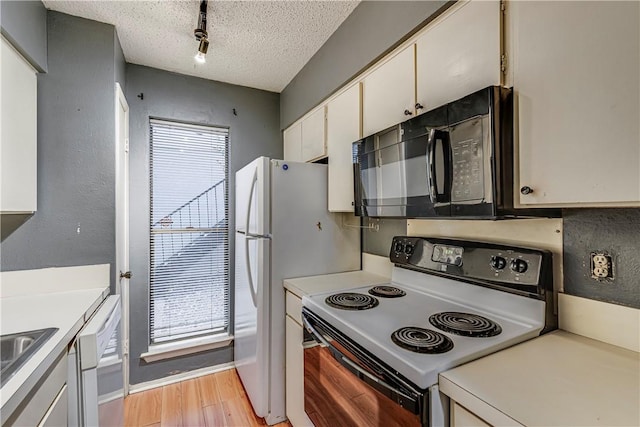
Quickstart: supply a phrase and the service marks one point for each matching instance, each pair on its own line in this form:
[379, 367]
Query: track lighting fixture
[201, 33]
[202, 50]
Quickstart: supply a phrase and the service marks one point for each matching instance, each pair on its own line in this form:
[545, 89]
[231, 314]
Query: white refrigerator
[283, 230]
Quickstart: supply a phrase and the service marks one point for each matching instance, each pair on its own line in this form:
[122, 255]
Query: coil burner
[421, 340]
[465, 324]
[351, 301]
[384, 291]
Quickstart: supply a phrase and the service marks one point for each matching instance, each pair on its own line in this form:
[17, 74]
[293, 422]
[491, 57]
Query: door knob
[125, 275]
[407, 113]
[419, 106]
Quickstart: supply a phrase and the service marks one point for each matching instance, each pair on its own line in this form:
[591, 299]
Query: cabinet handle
[408, 113]
[526, 190]
[419, 106]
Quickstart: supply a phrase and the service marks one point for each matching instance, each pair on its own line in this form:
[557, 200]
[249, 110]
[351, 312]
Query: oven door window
[341, 390]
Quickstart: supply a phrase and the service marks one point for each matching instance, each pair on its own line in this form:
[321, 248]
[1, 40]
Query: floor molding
[183, 376]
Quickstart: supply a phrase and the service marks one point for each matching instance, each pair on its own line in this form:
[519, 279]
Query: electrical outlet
[601, 266]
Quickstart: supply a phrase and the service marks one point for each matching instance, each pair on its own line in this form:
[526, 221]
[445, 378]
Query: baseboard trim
[183, 376]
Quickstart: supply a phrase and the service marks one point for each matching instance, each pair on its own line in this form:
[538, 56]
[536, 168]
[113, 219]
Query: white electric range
[448, 302]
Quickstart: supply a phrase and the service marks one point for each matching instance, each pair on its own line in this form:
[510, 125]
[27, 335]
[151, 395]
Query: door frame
[122, 221]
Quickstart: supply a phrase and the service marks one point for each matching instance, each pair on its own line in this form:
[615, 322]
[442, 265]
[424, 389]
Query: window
[189, 231]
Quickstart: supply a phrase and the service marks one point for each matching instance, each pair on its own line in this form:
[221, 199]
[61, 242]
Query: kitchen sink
[17, 348]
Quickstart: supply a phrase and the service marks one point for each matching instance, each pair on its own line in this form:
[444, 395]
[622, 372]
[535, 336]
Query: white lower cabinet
[46, 404]
[56, 416]
[295, 368]
[460, 417]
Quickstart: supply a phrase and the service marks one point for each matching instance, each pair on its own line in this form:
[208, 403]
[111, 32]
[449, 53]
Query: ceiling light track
[201, 33]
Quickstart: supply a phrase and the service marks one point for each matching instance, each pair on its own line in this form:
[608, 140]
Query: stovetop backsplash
[581, 231]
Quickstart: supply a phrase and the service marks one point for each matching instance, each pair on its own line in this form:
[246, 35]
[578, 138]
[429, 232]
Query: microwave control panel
[467, 150]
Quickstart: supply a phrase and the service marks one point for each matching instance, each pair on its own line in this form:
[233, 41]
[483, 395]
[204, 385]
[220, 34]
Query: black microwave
[455, 161]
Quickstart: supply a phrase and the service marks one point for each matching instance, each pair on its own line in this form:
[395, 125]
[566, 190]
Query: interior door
[122, 219]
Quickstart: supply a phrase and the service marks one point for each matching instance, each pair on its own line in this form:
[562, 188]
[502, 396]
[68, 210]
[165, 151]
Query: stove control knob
[408, 249]
[498, 262]
[398, 247]
[519, 265]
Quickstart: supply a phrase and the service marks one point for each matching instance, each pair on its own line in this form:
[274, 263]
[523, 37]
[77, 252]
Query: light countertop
[558, 379]
[302, 286]
[66, 311]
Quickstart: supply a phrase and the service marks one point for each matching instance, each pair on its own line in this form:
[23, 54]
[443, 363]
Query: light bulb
[200, 58]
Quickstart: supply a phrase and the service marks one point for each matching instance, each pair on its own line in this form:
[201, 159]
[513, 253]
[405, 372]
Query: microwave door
[427, 170]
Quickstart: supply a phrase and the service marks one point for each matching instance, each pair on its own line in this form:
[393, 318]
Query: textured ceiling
[260, 44]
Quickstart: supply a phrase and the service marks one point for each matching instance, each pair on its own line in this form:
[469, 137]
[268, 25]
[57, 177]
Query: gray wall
[378, 242]
[75, 221]
[24, 24]
[373, 29]
[120, 63]
[253, 132]
[616, 231]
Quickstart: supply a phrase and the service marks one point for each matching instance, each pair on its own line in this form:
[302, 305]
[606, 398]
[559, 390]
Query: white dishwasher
[98, 364]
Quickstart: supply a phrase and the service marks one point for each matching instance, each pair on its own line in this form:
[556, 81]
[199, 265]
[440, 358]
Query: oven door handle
[383, 387]
[408, 402]
[316, 335]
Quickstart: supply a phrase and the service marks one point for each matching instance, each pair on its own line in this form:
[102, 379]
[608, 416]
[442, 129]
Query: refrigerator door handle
[253, 185]
[249, 274]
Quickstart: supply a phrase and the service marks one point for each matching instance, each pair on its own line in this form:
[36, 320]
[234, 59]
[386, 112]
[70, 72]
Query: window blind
[189, 232]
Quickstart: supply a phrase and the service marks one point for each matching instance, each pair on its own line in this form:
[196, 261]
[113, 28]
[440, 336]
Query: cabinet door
[578, 101]
[343, 128]
[460, 417]
[313, 136]
[56, 416]
[459, 54]
[295, 375]
[388, 92]
[18, 193]
[292, 137]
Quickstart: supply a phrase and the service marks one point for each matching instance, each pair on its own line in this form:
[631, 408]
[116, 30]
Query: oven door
[344, 386]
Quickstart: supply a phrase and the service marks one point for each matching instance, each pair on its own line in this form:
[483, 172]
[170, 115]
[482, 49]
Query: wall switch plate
[601, 266]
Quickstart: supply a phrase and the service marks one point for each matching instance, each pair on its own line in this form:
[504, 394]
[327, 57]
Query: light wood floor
[212, 400]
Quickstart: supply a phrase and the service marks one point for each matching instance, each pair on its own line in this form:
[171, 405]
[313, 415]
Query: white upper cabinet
[292, 137]
[388, 93]
[576, 76]
[313, 136]
[18, 143]
[304, 141]
[459, 54]
[343, 128]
